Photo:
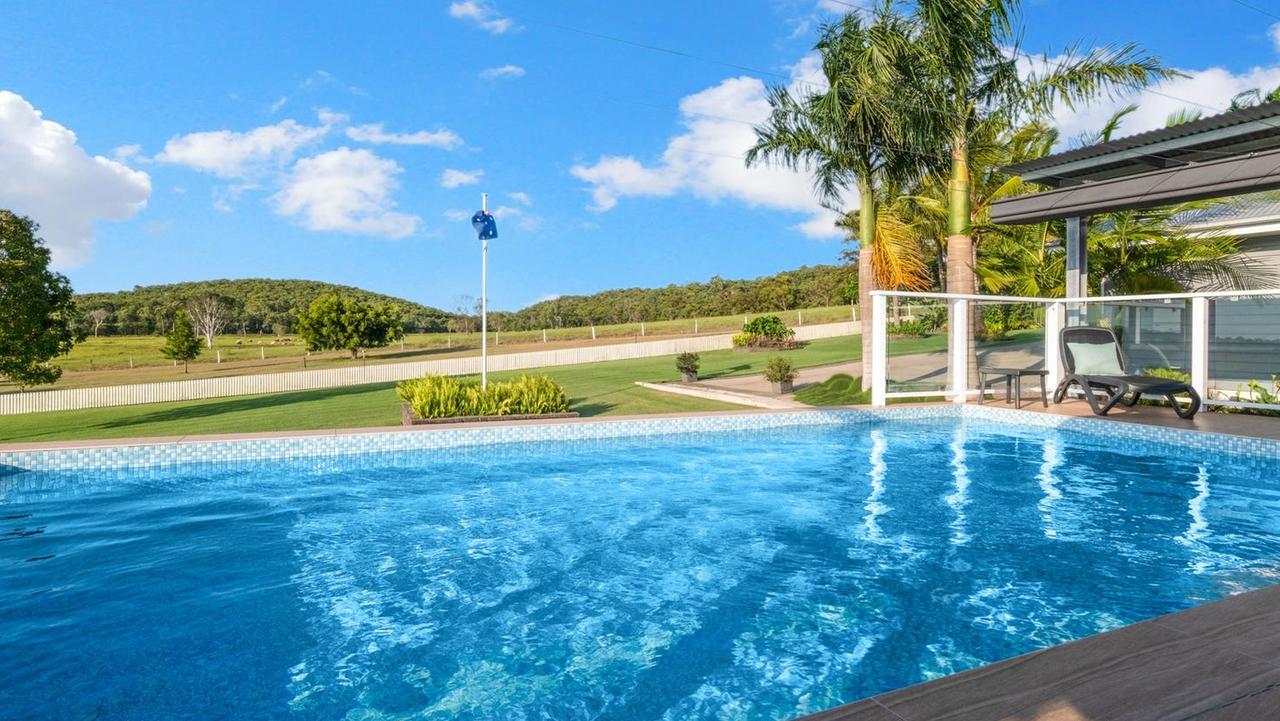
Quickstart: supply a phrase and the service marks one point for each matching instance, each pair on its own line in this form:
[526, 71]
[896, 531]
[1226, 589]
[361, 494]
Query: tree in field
[336, 322]
[854, 133]
[209, 313]
[182, 343]
[37, 306]
[97, 317]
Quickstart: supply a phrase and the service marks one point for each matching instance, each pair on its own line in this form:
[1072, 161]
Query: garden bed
[407, 418]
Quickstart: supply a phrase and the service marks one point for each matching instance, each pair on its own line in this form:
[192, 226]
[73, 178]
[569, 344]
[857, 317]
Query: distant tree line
[262, 306]
[250, 306]
[806, 287]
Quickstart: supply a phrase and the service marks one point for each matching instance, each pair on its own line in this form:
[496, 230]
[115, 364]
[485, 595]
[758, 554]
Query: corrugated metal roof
[1099, 151]
[1241, 175]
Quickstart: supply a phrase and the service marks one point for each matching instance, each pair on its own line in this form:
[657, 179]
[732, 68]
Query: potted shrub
[781, 374]
[687, 364]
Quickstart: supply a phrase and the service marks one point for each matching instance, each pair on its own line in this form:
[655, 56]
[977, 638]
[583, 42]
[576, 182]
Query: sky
[164, 142]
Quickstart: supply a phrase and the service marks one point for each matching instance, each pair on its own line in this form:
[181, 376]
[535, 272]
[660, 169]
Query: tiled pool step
[1216, 662]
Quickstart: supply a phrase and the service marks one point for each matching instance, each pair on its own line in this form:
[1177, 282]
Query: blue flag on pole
[485, 225]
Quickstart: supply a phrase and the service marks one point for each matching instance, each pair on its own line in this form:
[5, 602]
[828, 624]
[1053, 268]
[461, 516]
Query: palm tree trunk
[960, 249]
[866, 273]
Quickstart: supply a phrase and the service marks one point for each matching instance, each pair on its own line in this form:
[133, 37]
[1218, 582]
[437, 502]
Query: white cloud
[457, 215]
[522, 220]
[125, 153]
[452, 178]
[51, 179]
[504, 72]
[521, 198]
[373, 133]
[482, 14]
[231, 154]
[1274, 32]
[707, 159]
[1209, 91]
[345, 190]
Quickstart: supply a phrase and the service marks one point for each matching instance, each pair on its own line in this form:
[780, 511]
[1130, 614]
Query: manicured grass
[841, 389]
[594, 389]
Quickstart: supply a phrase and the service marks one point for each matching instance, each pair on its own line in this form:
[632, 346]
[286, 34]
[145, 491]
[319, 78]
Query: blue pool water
[735, 575]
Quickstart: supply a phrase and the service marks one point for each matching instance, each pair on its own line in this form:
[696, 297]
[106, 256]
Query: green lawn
[595, 389]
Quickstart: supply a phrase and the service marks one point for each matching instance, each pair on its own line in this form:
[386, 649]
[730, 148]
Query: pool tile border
[172, 452]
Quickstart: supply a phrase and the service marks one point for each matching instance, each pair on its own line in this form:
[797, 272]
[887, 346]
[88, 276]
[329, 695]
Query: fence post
[958, 344]
[593, 331]
[1054, 320]
[544, 335]
[879, 360]
[1200, 346]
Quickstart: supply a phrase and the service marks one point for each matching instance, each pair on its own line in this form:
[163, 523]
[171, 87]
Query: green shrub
[908, 329]
[688, 363]
[769, 326]
[1170, 373]
[767, 331]
[780, 370]
[449, 397]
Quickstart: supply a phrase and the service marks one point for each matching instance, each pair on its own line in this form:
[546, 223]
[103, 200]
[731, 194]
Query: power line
[1244, 4]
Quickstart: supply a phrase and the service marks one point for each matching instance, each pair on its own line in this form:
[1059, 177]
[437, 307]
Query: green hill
[261, 305]
[258, 305]
[810, 286]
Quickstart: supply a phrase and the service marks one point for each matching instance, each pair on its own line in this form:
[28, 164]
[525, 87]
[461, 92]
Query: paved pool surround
[135, 453]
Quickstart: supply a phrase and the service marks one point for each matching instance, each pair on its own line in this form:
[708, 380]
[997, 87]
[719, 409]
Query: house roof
[1235, 132]
[1240, 211]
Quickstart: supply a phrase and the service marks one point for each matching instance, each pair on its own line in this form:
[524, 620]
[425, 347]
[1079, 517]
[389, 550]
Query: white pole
[959, 346]
[1200, 346]
[878, 361]
[484, 301]
[1054, 320]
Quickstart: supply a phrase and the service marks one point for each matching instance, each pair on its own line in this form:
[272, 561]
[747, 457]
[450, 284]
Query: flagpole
[484, 300]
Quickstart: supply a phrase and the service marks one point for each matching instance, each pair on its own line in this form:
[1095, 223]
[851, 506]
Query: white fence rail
[197, 389]
[1226, 342]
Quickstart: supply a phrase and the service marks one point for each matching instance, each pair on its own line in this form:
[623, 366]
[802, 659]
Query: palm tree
[977, 89]
[853, 133]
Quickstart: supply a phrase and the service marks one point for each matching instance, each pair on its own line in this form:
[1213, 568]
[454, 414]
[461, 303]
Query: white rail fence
[198, 389]
[1227, 342]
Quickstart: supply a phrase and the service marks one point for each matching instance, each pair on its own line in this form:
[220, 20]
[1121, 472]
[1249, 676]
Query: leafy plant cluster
[780, 370]
[1000, 320]
[451, 397]
[913, 328]
[767, 331]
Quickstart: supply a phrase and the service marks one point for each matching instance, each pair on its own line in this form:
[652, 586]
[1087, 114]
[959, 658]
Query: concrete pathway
[918, 369]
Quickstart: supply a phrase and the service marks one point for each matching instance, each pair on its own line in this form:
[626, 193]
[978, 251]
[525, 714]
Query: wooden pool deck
[1216, 662]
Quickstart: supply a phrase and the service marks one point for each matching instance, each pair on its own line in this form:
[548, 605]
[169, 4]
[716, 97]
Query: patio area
[1216, 662]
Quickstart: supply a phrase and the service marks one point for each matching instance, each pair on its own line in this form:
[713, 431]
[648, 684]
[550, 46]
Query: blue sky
[161, 142]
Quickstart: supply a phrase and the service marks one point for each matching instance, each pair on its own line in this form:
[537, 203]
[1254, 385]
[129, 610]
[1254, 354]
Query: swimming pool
[743, 574]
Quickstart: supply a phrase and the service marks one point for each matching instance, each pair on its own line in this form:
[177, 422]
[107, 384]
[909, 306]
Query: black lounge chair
[1092, 360]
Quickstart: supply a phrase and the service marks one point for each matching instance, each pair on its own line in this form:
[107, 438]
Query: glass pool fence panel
[1155, 335]
[1008, 335]
[916, 338]
[1244, 351]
